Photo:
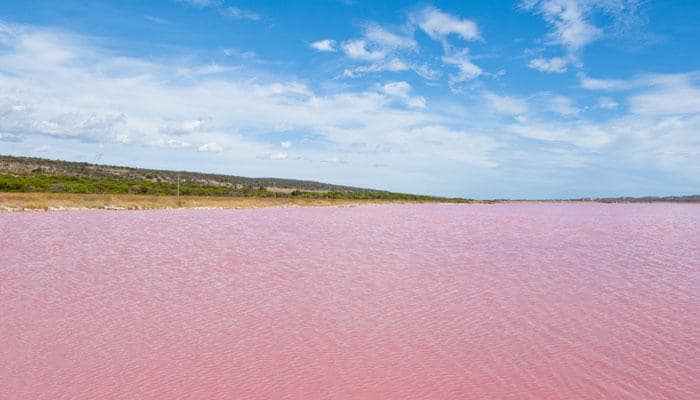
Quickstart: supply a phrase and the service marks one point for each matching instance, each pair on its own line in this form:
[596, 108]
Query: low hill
[29, 174]
[32, 165]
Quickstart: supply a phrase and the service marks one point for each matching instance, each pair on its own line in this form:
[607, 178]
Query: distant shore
[11, 201]
[77, 201]
[28, 183]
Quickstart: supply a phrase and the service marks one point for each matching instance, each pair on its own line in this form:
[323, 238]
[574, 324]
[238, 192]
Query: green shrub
[113, 185]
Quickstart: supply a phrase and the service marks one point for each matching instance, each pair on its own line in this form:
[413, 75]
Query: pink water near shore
[510, 301]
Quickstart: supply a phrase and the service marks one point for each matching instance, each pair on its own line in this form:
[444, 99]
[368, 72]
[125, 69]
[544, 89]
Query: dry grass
[290, 190]
[63, 201]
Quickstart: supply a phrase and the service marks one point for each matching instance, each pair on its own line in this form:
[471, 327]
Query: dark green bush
[113, 185]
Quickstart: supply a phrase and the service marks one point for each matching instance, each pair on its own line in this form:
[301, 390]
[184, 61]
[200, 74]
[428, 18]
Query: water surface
[509, 301]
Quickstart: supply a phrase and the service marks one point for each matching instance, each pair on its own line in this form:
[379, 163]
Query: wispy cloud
[359, 49]
[467, 69]
[202, 3]
[507, 105]
[239, 13]
[573, 27]
[379, 47]
[232, 12]
[245, 54]
[392, 49]
[378, 43]
[678, 96]
[155, 20]
[402, 91]
[384, 38]
[554, 64]
[679, 80]
[604, 84]
[325, 45]
[210, 148]
[438, 24]
[393, 65]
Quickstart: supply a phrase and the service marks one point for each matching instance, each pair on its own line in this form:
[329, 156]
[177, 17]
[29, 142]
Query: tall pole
[178, 190]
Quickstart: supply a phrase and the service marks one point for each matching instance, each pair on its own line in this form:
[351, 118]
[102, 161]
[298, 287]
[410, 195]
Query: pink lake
[507, 301]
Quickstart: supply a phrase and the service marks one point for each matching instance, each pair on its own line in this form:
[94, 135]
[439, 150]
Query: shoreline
[19, 202]
[41, 201]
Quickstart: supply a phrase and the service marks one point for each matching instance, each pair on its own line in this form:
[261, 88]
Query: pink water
[510, 301]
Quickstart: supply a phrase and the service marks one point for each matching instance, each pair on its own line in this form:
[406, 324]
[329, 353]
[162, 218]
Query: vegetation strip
[31, 175]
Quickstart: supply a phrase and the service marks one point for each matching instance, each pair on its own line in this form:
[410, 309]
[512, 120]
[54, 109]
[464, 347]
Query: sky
[479, 99]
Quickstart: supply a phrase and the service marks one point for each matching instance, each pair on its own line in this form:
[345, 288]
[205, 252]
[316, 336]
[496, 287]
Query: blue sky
[524, 99]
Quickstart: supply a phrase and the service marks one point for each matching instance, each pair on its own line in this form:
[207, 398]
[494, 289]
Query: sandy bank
[72, 201]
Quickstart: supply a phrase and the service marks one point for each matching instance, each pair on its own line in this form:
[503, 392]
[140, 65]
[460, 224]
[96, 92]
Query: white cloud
[393, 65]
[182, 128]
[666, 141]
[572, 26]
[386, 49]
[438, 24]
[387, 39]
[49, 48]
[325, 45]
[401, 90]
[652, 94]
[605, 84]
[381, 50]
[211, 148]
[673, 98]
[467, 69]
[569, 19]
[377, 43]
[554, 64]
[286, 144]
[426, 72]
[506, 104]
[357, 49]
